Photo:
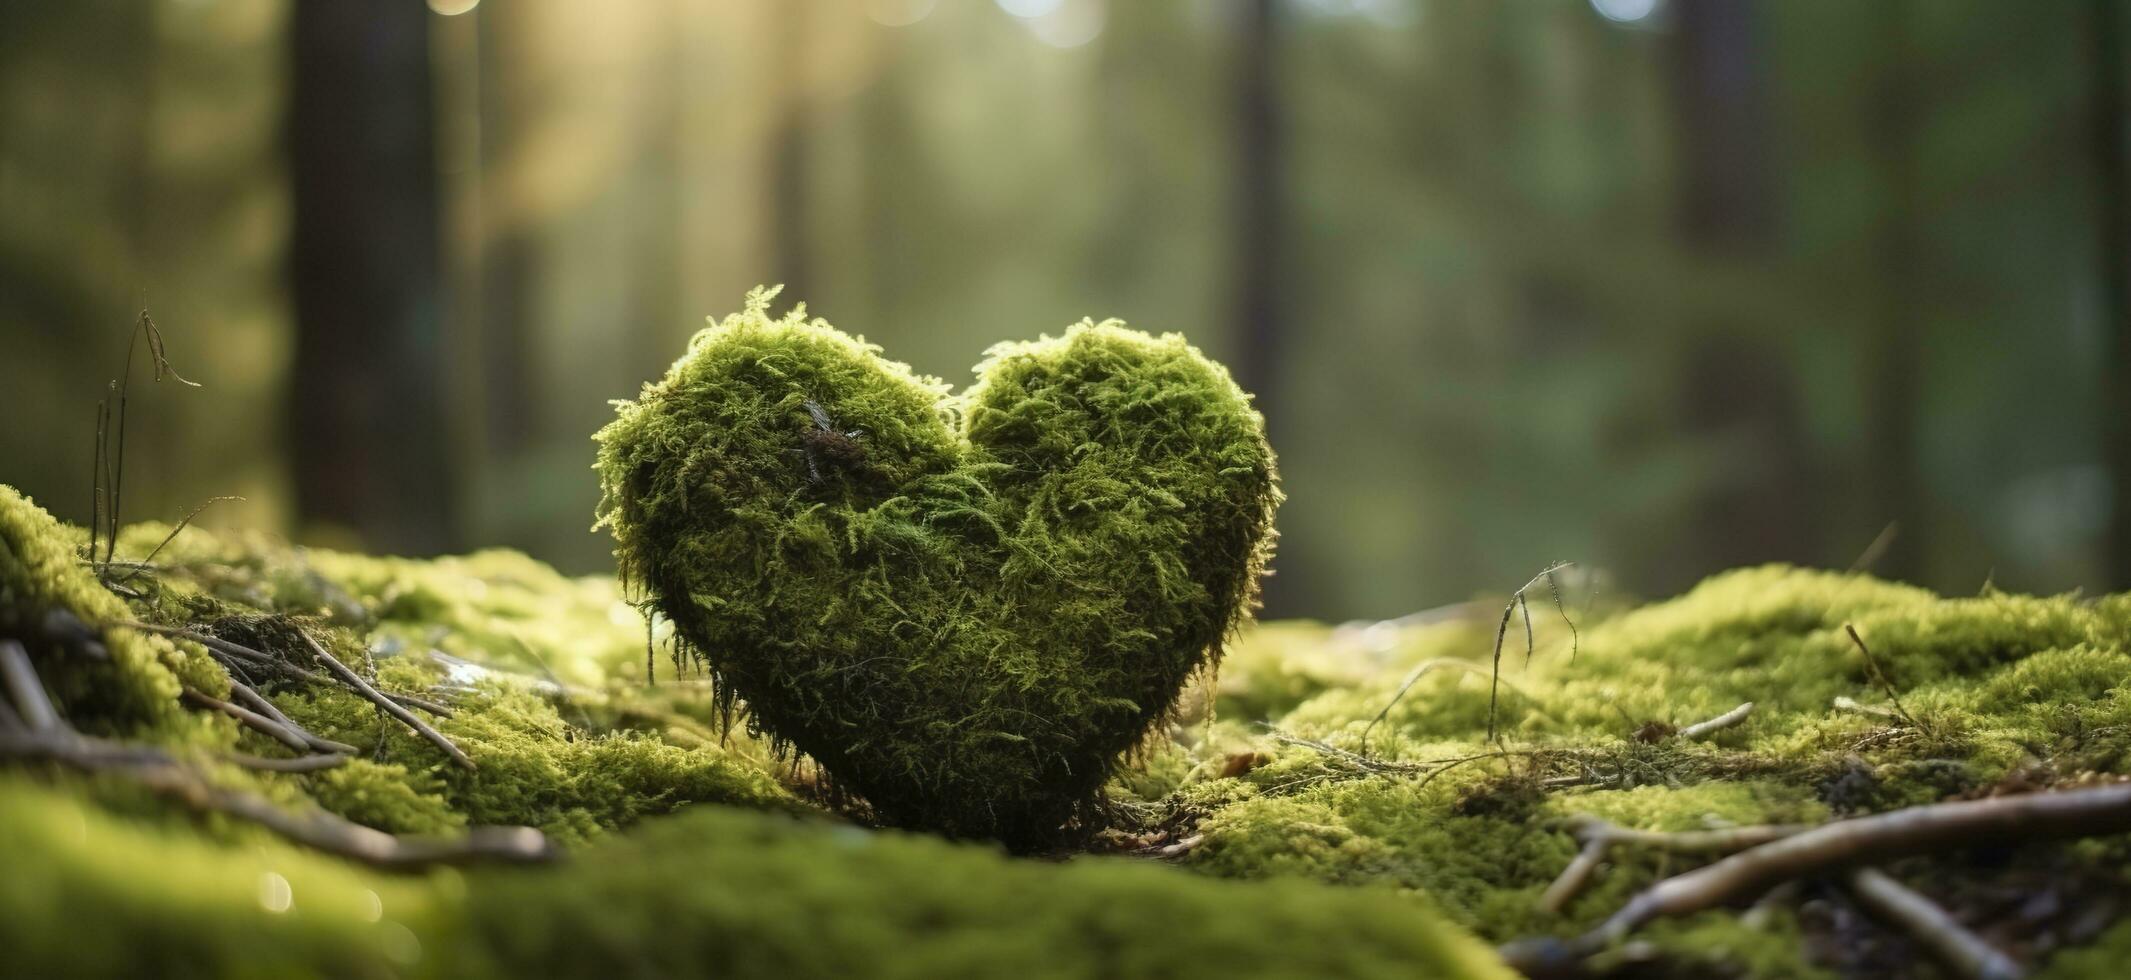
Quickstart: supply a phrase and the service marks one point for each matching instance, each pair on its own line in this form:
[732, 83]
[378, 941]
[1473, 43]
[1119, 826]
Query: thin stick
[1719, 723]
[1916, 830]
[258, 702]
[1495, 683]
[1843, 703]
[1872, 665]
[423, 704]
[1574, 876]
[96, 480]
[240, 691]
[1878, 548]
[316, 829]
[20, 676]
[244, 654]
[1598, 836]
[1419, 670]
[142, 565]
[229, 649]
[252, 719]
[1961, 950]
[1526, 608]
[391, 707]
[302, 763]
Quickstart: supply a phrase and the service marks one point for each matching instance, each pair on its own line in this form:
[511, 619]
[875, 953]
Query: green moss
[133, 691]
[1334, 861]
[2008, 687]
[533, 767]
[1718, 944]
[965, 608]
[386, 796]
[713, 891]
[2104, 960]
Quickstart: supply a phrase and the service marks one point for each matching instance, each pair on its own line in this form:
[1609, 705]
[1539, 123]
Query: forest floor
[249, 759]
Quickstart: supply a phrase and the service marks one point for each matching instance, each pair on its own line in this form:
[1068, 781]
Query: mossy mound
[964, 608]
[713, 892]
[1339, 868]
[603, 768]
[1999, 693]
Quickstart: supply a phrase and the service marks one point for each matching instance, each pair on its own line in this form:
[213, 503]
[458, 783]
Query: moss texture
[572, 778]
[1335, 870]
[965, 608]
[2009, 693]
[714, 892]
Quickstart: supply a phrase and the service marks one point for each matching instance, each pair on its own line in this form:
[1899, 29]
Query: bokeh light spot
[1030, 9]
[1626, 11]
[275, 895]
[899, 13]
[1071, 24]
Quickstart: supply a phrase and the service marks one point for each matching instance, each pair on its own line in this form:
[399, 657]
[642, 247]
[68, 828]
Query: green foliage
[963, 607]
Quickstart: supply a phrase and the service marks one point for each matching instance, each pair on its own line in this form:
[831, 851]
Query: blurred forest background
[1660, 285]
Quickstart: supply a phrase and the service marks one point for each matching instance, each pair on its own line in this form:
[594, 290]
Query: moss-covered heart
[964, 607]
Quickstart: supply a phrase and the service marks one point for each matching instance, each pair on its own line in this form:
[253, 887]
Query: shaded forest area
[1667, 287]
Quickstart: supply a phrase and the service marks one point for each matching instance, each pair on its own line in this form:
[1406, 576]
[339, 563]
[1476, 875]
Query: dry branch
[167, 777]
[1719, 723]
[1900, 833]
[20, 676]
[1599, 836]
[258, 702]
[301, 763]
[251, 719]
[389, 706]
[1961, 950]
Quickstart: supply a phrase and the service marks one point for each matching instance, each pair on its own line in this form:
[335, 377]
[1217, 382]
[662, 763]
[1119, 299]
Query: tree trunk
[1258, 212]
[1892, 387]
[2113, 207]
[366, 391]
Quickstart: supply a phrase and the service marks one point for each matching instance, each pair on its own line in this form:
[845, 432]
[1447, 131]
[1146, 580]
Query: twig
[1516, 601]
[230, 650]
[1178, 849]
[1575, 637]
[1719, 723]
[391, 707]
[1880, 676]
[20, 676]
[1413, 677]
[1845, 703]
[258, 702]
[256, 721]
[167, 777]
[1598, 836]
[1877, 548]
[114, 464]
[1961, 950]
[1572, 878]
[143, 565]
[302, 763]
[1899, 833]
[421, 704]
